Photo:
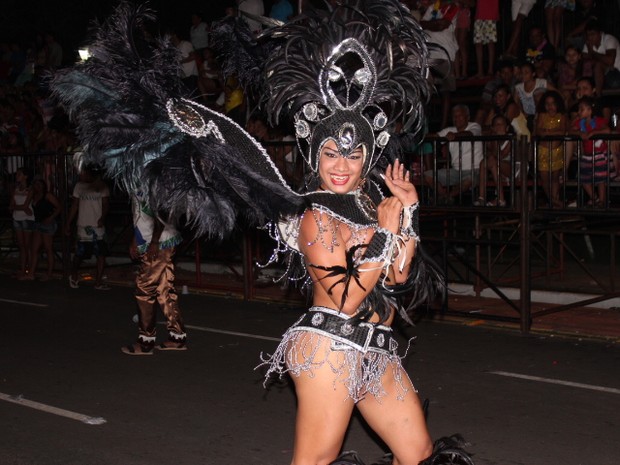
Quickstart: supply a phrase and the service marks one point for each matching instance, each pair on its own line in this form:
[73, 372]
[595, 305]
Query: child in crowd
[593, 164]
[497, 162]
[505, 105]
[485, 33]
[585, 88]
[551, 121]
[569, 72]
[528, 92]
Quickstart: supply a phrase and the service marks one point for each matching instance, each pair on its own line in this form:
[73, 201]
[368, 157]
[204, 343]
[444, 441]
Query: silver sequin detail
[185, 116]
[362, 76]
[318, 319]
[383, 138]
[380, 340]
[335, 73]
[346, 135]
[311, 112]
[380, 120]
[347, 329]
[302, 128]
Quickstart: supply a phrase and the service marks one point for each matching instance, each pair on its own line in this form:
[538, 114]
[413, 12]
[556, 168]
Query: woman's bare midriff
[323, 299]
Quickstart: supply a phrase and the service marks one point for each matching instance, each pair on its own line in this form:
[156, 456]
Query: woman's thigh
[398, 420]
[323, 414]
[20, 237]
[48, 242]
[35, 241]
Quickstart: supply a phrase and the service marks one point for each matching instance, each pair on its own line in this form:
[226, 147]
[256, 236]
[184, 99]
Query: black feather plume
[394, 39]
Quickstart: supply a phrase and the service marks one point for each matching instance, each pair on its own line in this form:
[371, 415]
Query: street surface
[68, 396]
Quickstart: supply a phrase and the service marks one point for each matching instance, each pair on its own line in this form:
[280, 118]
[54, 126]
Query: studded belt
[339, 327]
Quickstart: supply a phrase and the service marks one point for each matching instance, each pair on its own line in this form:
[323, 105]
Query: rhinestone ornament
[317, 319]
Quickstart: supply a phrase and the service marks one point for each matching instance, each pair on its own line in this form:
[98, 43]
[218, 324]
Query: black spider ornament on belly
[348, 272]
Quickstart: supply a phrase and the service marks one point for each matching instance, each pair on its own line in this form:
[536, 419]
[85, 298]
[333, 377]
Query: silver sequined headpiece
[349, 73]
[350, 121]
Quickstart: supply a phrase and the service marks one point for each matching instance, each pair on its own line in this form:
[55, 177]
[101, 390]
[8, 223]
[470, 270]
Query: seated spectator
[506, 106]
[497, 162]
[551, 120]
[585, 88]
[528, 92]
[505, 74]
[603, 51]
[585, 12]
[593, 163]
[540, 53]
[464, 159]
[569, 71]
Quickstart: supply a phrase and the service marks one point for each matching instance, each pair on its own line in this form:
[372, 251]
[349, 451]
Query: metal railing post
[526, 296]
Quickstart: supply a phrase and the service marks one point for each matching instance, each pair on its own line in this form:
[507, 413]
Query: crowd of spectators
[552, 86]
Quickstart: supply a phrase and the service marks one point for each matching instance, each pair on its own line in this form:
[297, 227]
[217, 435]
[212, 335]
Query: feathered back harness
[347, 74]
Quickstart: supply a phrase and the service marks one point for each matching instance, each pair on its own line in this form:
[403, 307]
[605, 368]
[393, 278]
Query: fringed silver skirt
[358, 354]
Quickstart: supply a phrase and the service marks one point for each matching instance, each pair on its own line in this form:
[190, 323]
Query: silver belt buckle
[371, 330]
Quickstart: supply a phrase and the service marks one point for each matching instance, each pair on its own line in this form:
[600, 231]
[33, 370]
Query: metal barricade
[524, 244]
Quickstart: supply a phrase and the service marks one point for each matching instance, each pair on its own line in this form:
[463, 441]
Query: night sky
[69, 20]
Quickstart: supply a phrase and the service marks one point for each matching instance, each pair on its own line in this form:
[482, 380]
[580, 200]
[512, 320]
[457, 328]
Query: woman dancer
[329, 73]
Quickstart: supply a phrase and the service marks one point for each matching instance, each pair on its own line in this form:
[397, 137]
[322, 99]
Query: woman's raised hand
[398, 182]
[388, 214]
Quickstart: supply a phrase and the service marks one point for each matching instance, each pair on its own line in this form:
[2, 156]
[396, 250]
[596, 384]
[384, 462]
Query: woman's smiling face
[340, 174]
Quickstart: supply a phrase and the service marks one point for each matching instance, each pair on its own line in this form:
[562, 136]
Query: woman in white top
[529, 91]
[23, 218]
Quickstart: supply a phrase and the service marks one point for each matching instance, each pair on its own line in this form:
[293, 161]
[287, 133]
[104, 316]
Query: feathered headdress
[347, 73]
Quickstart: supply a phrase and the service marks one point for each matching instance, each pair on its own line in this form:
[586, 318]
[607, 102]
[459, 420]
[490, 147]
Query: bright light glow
[84, 55]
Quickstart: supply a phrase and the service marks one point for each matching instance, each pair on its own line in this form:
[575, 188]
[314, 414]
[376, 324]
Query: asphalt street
[68, 395]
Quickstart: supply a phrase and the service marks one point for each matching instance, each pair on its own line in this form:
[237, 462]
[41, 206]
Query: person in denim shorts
[46, 208]
[23, 219]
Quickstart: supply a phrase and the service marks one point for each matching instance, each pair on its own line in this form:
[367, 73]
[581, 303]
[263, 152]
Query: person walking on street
[154, 244]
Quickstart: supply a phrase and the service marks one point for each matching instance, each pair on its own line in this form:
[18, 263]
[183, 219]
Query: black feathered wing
[133, 118]
[232, 174]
